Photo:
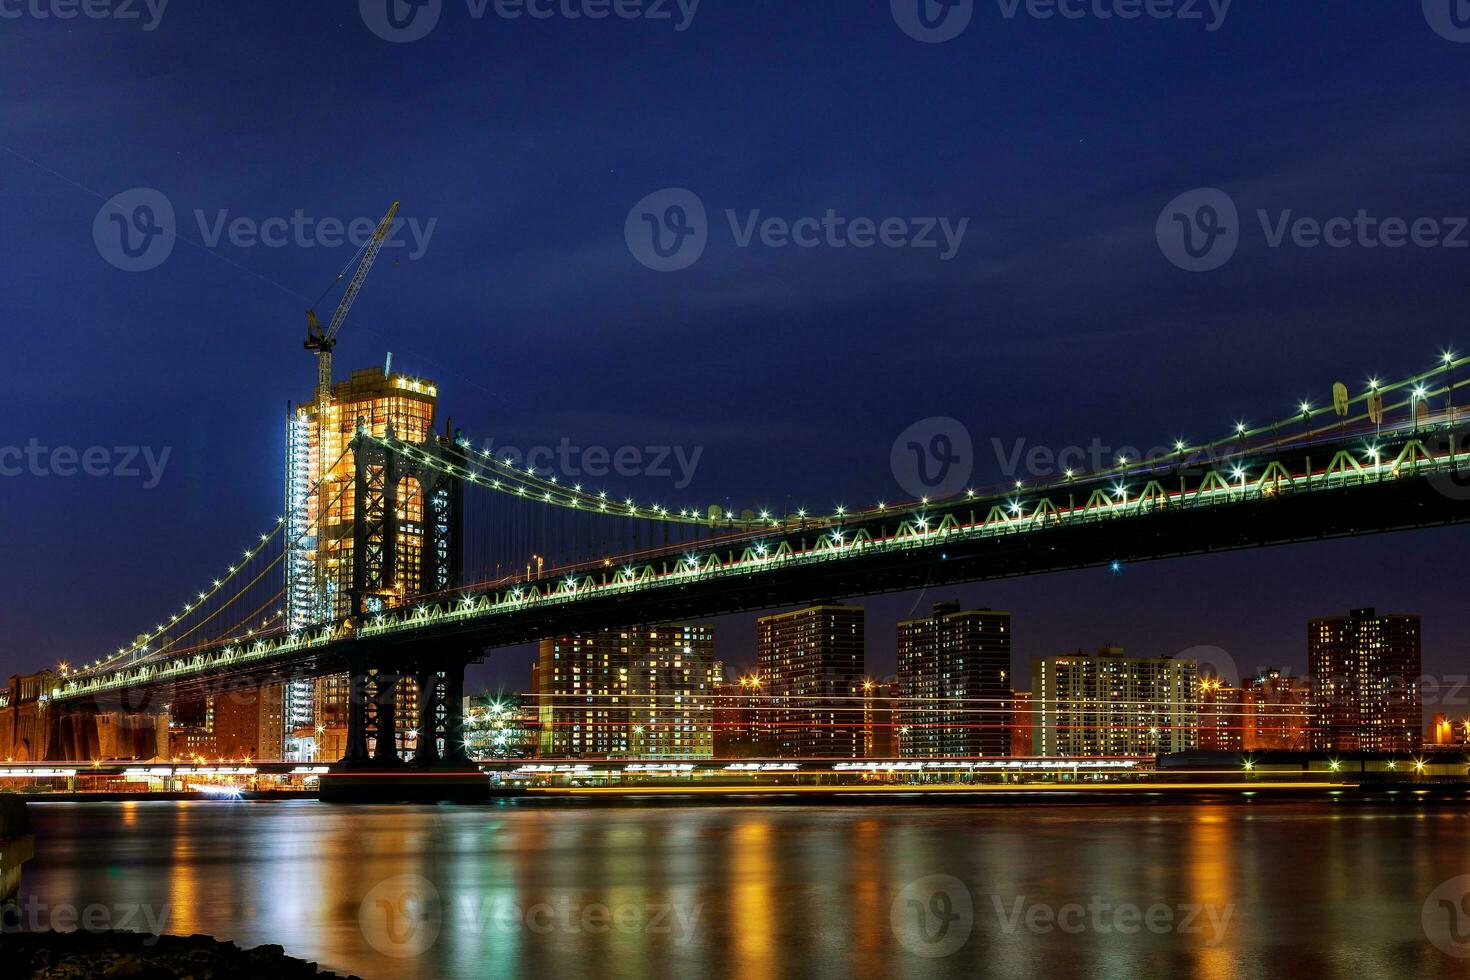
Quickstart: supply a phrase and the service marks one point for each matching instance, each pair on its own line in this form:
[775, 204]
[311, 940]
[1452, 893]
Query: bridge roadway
[1339, 485]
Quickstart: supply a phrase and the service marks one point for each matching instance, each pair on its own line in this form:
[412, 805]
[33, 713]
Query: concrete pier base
[404, 785]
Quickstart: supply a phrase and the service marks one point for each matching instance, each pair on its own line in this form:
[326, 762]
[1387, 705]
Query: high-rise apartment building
[1365, 671]
[954, 680]
[644, 692]
[811, 669]
[1112, 705]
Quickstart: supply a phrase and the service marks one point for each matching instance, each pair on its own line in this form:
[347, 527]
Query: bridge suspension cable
[216, 589]
[484, 469]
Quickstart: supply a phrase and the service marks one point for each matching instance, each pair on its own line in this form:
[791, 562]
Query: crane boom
[323, 340]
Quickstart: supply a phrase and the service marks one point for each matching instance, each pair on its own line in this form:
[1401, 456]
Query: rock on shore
[139, 956]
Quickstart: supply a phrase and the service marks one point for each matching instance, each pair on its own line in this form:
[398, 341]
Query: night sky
[1059, 319]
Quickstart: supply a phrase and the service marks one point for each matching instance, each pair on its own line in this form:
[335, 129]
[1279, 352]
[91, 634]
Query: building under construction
[320, 470]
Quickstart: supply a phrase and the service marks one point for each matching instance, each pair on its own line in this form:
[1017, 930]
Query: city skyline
[735, 488]
[1117, 304]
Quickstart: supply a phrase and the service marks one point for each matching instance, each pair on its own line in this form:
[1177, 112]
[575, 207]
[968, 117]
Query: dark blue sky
[1059, 320]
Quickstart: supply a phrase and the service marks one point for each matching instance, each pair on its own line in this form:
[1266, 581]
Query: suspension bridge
[511, 555]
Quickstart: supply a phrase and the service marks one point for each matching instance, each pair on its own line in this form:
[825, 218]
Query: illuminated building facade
[502, 726]
[1113, 705]
[954, 681]
[811, 668]
[1221, 716]
[739, 731]
[320, 473]
[1020, 724]
[1365, 671]
[880, 724]
[644, 692]
[1442, 731]
[1275, 711]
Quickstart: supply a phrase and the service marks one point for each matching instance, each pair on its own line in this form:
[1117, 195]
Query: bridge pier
[440, 771]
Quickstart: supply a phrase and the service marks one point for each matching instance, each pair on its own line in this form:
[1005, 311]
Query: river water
[566, 890]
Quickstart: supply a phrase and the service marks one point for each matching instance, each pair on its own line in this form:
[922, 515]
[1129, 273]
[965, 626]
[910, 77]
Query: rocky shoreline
[141, 956]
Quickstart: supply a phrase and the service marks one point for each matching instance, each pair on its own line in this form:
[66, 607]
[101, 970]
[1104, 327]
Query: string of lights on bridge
[482, 468]
[146, 639]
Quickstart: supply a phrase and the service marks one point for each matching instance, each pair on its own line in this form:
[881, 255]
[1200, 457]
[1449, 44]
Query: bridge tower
[399, 497]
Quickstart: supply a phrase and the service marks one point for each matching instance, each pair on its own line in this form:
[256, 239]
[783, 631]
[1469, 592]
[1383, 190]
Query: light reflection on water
[772, 891]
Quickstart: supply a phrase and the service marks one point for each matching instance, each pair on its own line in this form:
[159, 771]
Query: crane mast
[321, 340]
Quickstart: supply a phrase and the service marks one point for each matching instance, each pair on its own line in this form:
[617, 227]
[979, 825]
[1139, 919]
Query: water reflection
[539, 890]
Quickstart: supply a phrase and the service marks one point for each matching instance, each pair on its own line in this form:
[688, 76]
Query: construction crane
[321, 341]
